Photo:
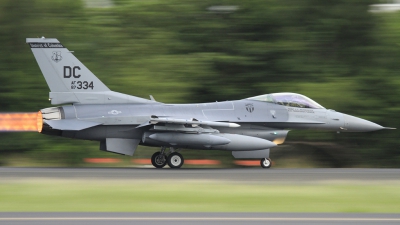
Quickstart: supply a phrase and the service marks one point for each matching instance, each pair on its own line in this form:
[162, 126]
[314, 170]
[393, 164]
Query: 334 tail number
[82, 85]
[70, 72]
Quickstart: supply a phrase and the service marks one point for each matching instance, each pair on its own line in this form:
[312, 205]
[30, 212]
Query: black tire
[175, 160]
[157, 161]
[266, 163]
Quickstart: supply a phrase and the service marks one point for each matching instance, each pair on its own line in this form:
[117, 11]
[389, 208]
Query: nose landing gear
[265, 163]
[174, 159]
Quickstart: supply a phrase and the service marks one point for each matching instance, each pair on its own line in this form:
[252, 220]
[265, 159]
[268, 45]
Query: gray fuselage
[257, 119]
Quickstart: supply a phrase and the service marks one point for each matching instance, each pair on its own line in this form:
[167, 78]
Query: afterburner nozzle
[39, 122]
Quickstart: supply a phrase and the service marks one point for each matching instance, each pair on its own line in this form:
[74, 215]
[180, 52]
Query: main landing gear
[160, 159]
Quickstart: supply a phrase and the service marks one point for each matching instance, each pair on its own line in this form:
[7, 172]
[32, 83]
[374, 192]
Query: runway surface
[196, 218]
[241, 175]
[233, 175]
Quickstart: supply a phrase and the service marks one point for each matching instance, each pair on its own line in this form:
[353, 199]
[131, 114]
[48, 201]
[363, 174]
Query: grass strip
[194, 196]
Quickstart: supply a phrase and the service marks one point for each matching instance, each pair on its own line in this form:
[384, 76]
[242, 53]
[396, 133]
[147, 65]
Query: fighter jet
[87, 109]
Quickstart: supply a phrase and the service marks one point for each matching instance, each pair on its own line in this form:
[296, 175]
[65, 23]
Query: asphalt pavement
[234, 175]
[174, 218]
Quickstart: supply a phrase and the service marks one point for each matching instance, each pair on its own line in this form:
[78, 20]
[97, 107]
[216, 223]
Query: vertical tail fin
[61, 69]
[68, 79]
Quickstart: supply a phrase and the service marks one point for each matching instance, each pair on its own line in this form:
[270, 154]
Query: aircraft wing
[70, 124]
[193, 122]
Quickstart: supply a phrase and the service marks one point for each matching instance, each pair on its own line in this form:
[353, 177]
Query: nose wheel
[265, 163]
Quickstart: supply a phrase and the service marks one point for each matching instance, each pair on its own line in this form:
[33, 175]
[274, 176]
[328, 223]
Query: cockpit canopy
[288, 99]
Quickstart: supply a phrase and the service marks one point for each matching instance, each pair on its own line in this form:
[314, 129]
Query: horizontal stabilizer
[70, 124]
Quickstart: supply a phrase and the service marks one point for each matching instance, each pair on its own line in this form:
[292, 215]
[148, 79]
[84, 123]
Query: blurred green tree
[334, 51]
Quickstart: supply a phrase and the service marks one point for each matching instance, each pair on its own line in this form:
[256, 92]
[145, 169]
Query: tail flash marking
[69, 80]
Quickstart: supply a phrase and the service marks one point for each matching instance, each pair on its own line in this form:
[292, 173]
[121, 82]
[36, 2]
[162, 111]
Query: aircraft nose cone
[355, 124]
